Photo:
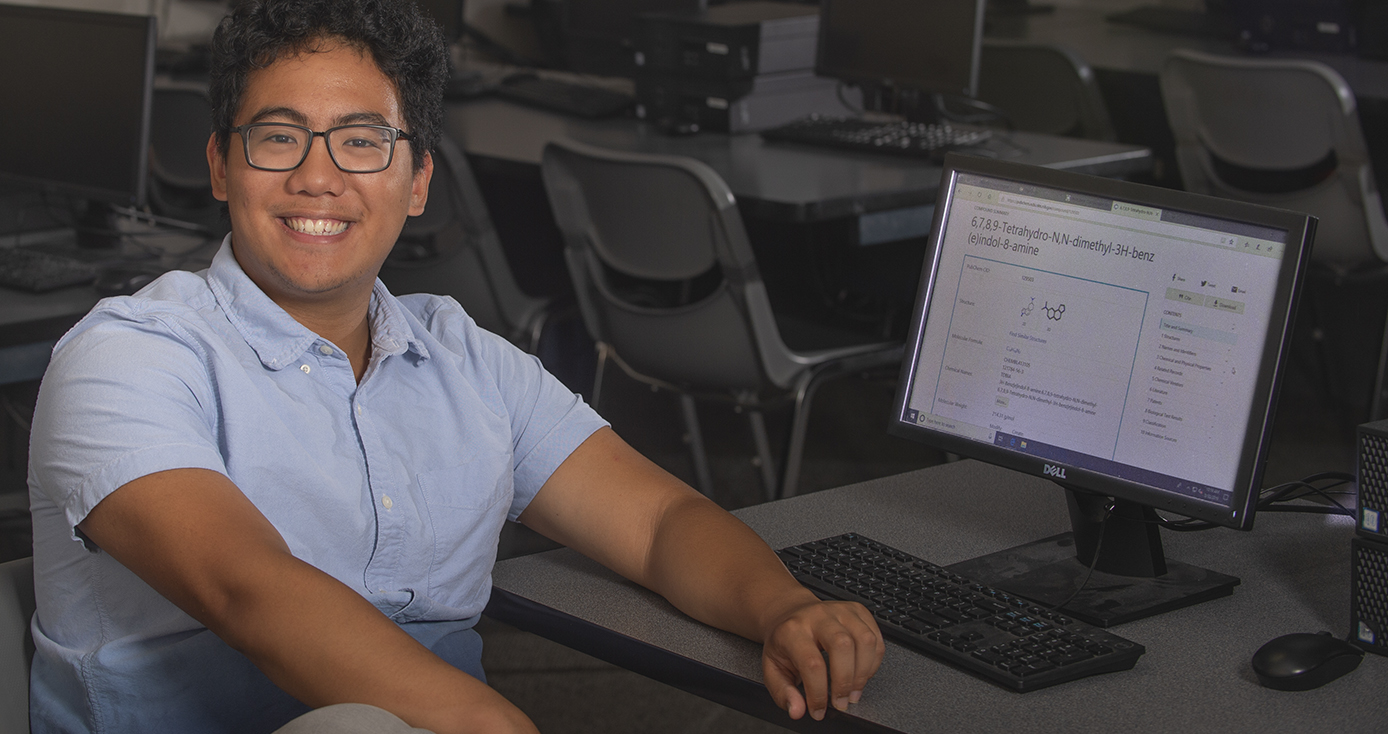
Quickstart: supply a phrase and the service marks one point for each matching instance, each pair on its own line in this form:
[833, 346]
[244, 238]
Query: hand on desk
[851, 645]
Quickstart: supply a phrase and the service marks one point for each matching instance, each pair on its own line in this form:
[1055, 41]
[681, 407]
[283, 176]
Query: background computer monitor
[1121, 340]
[923, 45]
[448, 14]
[599, 35]
[77, 90]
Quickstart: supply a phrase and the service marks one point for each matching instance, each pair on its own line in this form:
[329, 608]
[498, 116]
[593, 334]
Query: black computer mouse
[1302, 661]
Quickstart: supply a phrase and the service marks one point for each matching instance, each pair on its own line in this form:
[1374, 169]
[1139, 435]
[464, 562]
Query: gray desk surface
[774, 181]
[1195, 676]
[31, 322]
[1121, 47]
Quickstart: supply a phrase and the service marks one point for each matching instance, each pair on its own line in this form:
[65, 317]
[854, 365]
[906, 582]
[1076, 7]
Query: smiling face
[316, 235]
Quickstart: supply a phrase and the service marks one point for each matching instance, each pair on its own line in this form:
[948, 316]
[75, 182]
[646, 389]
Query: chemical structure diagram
[1027, 309]
[1054, 313]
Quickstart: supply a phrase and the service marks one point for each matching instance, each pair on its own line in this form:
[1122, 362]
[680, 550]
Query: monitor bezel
[1300, 230]
[918, 83]
[140, 165]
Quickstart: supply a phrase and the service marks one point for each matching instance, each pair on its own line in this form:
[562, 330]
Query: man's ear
[217, 164]
[419, 190]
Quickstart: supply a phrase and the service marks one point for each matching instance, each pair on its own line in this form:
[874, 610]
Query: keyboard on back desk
[560, 96]
[37, 271]
[990, 633]
[897, 138]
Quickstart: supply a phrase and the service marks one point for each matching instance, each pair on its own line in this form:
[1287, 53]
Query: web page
[1102, 333]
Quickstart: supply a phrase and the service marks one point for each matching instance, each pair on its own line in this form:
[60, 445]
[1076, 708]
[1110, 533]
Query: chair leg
[768, 463]
[795, 447]
[597, 374]
[696, 446]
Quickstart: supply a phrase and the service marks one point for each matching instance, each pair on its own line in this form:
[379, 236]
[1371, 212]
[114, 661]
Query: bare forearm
[324, 644]
[195, 538]
[716, 569]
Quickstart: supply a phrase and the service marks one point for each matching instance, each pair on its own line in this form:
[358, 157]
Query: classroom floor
[567, 692]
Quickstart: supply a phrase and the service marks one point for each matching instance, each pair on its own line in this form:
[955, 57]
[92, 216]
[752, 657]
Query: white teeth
[316, 226]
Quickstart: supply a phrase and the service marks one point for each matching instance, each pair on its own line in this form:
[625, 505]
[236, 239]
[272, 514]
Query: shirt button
[325, 349]
[386, 501]
[358, 410]
[304, 368]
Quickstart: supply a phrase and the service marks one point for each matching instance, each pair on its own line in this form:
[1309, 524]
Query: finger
[840, 649]
[870, 649]
[805, 659]
[782, 687]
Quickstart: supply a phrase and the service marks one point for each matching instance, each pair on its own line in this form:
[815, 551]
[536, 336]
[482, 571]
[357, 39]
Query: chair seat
[16, 643]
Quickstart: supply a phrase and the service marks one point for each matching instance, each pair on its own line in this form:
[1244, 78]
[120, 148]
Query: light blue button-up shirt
[397, 486]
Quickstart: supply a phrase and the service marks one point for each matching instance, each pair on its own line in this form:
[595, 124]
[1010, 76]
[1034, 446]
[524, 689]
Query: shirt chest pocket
[478, 483]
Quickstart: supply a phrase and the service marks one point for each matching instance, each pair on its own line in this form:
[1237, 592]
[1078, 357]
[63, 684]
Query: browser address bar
[1159, 228]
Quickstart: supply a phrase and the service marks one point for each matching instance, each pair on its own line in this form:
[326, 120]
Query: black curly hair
[406, 45]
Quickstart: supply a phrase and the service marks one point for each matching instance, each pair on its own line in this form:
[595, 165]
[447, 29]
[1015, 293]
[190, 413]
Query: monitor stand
[1132, 579]
[96, 228]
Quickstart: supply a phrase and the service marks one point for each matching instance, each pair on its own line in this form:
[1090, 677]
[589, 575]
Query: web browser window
[1096, 332]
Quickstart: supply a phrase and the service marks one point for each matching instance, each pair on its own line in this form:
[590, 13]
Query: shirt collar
[277, 339]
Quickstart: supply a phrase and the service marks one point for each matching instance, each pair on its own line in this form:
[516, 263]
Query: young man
[271, 485]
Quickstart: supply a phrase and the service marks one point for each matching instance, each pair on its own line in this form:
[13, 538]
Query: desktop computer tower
[1368, 623]
[734, 68]
[1369, 549]
[740, 106]
[1372, 473]
[734, 41]
[1327, 26]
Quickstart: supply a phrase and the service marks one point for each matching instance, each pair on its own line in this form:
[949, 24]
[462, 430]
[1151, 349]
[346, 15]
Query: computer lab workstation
[1095, 565]
[1105, 358]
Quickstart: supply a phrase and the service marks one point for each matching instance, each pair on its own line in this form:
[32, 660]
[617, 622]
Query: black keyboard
[1169, 20]
[898, 138]
[998, 636]
[560, 96]
[37, 271]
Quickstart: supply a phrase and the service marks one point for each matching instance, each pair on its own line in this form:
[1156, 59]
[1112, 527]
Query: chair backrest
[662, 269]
[1044, 89]
[16, 643]
[180, 184]
[453, 249]
[180, 121]
[1242, 122]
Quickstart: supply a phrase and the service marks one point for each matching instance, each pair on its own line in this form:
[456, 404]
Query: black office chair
[453, 249]
[179, 184]
[668, 287]
[1283, 133]
[1043, 88]
[16, 643]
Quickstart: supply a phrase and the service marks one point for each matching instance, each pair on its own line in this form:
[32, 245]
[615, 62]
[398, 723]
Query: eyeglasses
[279, 146]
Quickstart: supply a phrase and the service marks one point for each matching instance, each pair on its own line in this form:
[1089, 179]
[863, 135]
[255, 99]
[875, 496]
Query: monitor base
[1047, 572]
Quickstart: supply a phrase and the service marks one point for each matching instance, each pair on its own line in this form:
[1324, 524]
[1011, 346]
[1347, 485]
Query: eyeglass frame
[396, 134]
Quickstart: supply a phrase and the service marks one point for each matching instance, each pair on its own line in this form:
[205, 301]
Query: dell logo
[1053, 471]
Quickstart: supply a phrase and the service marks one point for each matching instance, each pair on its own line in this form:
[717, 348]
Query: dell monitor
[77, 87]
[927, 46]
[1121, 340]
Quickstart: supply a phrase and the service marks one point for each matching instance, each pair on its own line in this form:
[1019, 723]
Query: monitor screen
[924, 45]
[1122, 340]
[77, 90]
